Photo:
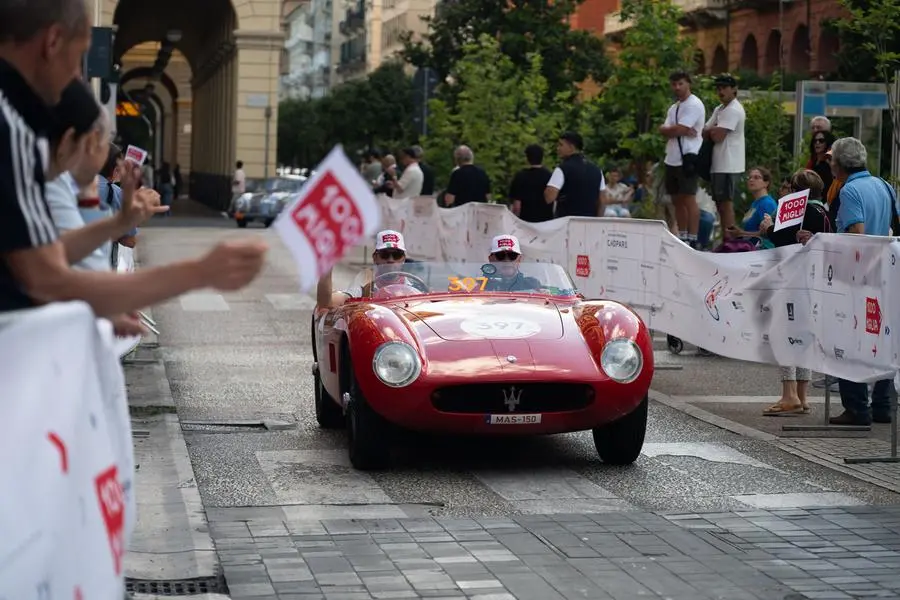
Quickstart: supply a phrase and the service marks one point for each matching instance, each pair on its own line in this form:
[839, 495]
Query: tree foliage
[365, 113]
[637, 94]
[498, 112]
[871, 38]
[522, 28]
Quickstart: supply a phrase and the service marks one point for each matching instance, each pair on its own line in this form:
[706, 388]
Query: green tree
[366, 113]
[637, 94]
[522, 28]
[871, 38]
[498, 112]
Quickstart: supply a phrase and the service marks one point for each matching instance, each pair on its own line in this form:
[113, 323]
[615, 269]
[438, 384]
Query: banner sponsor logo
[873, 316]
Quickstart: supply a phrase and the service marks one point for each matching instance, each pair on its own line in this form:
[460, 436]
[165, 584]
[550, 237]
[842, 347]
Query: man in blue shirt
[868, 204]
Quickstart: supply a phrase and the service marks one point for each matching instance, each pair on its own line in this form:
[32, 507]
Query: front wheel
[368, 433]
[620, 442]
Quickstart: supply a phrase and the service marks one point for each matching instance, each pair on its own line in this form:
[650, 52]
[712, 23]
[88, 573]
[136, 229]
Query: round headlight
[622, 360]
[396, 364]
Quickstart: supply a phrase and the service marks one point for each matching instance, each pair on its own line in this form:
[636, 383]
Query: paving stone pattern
[851, 552]
[831, 452]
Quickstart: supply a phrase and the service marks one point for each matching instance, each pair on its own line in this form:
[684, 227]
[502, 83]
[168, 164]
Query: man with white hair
[468, 182]
[868, 205]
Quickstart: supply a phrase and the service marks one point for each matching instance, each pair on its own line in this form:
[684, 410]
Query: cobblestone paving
[832, 451]
[791, 554]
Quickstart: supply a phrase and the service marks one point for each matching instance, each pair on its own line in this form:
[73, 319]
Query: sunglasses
[391, 254]
[506, 256]
[819, 140]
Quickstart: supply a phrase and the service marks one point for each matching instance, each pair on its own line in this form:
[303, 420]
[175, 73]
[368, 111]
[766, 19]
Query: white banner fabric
[67, 510]
[125, 264]
[830, 306]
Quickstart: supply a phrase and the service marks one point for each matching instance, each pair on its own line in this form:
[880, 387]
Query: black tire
[675, 345]
[269, 222]
[242, 223]
[368, 434]
[620, 442]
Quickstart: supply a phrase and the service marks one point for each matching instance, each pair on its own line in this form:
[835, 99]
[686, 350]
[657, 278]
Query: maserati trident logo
[512, 398]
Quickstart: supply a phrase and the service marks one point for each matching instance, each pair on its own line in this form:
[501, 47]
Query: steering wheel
[419, 284]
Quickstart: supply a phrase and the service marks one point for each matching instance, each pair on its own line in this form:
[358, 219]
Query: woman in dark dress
[818, 149]
[795, 380]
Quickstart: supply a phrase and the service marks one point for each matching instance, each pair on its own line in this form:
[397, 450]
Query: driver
[388, 256]
[505, 256]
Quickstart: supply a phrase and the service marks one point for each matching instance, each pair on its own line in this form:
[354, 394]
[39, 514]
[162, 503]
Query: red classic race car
[457, 348]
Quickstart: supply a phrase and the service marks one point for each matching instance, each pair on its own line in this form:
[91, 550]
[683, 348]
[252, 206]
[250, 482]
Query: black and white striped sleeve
[25, 220]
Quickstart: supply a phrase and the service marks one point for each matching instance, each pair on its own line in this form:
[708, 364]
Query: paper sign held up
[333, 214]
[136, 155]
[791, 210]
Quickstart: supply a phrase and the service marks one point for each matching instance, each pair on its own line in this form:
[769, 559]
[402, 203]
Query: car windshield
[398, 280]
[284, 184]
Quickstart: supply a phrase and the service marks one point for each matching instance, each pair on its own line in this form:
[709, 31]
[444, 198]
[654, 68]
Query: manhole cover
[177, 587]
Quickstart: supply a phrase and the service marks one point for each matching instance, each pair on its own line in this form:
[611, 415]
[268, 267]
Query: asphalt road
[237, 360]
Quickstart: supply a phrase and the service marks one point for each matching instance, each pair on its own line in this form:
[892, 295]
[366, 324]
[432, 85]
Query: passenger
[388, 256]
[505, 256]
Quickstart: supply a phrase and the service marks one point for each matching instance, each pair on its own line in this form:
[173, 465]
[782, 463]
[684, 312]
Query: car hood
[483, 318]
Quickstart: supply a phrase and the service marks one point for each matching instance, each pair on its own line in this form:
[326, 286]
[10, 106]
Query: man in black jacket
[576, 183]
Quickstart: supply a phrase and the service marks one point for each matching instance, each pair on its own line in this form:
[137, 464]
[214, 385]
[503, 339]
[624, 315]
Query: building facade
[306, 71]
[368, 33]
[761, 36]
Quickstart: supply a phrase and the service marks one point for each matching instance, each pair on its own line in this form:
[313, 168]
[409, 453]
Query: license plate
[513, 419]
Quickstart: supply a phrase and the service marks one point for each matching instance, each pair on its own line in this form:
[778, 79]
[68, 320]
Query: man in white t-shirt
[683, 126]
[411, 180]
[239, 180]
[726, 130]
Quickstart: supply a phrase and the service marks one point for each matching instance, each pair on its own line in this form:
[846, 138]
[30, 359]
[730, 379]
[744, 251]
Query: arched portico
[221, 58]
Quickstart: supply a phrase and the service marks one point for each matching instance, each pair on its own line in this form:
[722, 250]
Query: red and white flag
[791, 210]
[335, 211]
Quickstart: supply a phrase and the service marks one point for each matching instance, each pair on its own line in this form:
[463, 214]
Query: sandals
[779, 410]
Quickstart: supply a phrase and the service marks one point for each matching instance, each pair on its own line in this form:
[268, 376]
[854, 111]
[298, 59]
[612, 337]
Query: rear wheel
[368, 434]
[242, 223]
[620, 442]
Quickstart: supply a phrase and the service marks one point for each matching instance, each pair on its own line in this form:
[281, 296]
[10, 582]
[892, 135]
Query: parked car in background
[264, 199]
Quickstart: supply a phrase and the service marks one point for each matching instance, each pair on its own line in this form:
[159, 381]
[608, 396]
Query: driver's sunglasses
[391, 254]
[506, 256]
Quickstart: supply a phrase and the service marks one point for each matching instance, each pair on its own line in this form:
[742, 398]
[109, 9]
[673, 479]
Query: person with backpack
[795, 380]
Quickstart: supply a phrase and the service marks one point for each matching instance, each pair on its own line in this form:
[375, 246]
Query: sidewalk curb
[787, 446]
[175, 497]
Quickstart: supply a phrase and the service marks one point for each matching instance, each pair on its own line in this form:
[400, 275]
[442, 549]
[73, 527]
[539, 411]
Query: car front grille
[496, 398]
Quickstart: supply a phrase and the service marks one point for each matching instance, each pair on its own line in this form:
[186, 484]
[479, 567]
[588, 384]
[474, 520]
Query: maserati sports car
[457, 348]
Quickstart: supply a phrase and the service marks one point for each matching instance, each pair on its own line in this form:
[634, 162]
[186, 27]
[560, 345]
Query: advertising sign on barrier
[69, 510]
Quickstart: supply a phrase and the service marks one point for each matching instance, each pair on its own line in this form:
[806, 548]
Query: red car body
[465, 378]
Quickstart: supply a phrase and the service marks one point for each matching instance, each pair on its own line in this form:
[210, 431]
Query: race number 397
[112, 507]
[329, 219]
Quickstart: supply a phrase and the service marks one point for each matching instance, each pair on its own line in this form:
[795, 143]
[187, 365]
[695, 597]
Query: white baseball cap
[506, 243]
[389, 240]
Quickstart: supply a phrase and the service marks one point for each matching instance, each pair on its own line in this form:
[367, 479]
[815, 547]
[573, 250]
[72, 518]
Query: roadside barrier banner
[67, 508]
[830, 306]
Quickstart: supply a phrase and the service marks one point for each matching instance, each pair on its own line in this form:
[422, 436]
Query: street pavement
[719, 505]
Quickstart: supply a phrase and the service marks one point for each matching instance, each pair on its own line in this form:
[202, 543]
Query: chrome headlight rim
[615, 343]
[414, 356]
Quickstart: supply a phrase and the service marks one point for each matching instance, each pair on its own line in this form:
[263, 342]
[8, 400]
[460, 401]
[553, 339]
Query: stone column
[258, 54]
[184, 134]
